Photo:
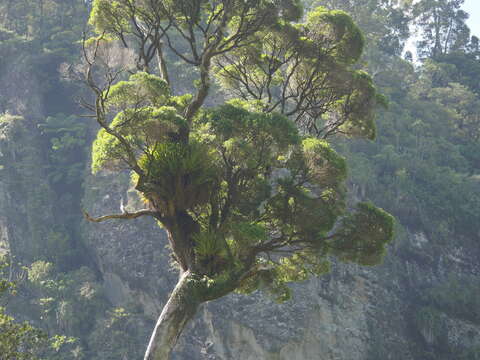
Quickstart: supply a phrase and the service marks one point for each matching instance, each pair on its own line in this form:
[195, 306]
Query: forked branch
[101, 98]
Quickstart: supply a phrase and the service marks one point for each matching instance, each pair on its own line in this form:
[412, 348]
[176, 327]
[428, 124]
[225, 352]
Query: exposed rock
[352, 313]
[26, 199]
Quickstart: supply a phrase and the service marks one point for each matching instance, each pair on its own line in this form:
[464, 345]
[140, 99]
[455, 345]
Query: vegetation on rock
[423, 167]
[250, 192]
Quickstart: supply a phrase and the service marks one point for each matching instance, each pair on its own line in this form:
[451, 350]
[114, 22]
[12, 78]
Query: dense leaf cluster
[249, 181]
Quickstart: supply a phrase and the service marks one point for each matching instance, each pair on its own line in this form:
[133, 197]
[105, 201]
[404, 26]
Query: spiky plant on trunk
[250, 193]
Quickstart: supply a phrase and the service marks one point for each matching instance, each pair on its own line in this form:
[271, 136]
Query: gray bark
[180, 308]
[162, 66]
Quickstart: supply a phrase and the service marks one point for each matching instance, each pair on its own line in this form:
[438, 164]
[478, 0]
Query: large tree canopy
[250, 192]
[443, 27]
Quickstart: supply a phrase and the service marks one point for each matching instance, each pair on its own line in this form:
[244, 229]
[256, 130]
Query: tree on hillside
[42, 18]
[466, 66]
[18, 341]
[250, 192]
[386, 25]
[442, 26]
[385, 22]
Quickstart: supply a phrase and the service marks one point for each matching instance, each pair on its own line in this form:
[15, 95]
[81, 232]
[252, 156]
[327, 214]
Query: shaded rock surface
[351, 313]
[24, 188]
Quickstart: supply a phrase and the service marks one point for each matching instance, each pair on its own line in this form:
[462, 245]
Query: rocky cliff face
[352, 313]
[400, 310]
[26, 199]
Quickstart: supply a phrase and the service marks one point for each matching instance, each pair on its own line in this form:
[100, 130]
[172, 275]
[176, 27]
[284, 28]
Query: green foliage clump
[424, 165]
[316, 56]
[148, 115]
[64, 296]
[245, 174]
[337, 27]
[147, 124]
[363, 235]
[242, 175]
[120, 333]
[178, 176]
[68, 138]
[18, 341]
[61, 301]
[140, 89]
[109, 16]
[250, 192]
[248, 128]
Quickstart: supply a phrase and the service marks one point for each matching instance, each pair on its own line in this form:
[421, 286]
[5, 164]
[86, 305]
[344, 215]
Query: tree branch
[124, 216]
[101, 97]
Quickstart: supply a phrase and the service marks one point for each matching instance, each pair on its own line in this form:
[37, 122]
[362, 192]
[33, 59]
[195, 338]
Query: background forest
[94, 297]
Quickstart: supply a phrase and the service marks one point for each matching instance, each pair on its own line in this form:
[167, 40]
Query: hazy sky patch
[473, 8]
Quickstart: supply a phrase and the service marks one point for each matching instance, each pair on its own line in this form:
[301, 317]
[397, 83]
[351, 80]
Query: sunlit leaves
[337, 33]
[303, 71]
[243, 235]
[141, 89]
[246, 186]
[178, 176]
[252, 131]
[19, 341]
[147, 115]
[109, 16]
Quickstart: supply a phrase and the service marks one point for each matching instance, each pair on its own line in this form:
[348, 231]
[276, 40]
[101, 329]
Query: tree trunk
[162, 66]
[179, 310]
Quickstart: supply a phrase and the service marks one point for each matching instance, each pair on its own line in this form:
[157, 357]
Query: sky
[473, 8]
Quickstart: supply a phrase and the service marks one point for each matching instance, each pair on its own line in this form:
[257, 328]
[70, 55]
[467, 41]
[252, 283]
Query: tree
[385, 22]
[386, 25]
[250, 193]
[18, 341]
[443, 27]
[41, 19]
[466, 68]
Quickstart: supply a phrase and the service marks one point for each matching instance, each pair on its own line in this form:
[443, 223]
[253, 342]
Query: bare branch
[101, 97]
[124, 216]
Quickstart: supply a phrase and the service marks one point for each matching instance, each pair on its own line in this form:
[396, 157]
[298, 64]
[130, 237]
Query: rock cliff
[415, 306]
[351, 313]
